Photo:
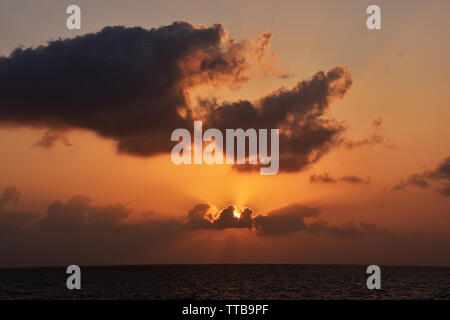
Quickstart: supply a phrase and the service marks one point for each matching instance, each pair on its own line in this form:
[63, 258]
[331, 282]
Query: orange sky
[400, 73]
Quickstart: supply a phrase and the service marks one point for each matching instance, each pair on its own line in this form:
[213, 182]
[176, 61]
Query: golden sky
[400, 76]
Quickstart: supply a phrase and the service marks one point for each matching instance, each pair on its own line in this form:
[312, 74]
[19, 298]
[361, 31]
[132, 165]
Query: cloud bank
[77, 230]
[79, 215]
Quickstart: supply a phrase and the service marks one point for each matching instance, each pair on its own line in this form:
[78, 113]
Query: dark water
[227, 282]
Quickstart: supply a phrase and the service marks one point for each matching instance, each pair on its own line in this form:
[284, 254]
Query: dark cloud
[77, 230]
[291, 219]
[132, 85]
[414, 180]
[285, 220]
[400, 186]
[50, 138]
[77, 214]
[355, 180]
[441, 172]
[227, 219]
[326, 178]
[422, 180]
[418, 181]
[201, 217]
[305, 134]
[127, 84]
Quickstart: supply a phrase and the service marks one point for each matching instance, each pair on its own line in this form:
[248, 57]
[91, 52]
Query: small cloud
[422, 180]
[355, 180]
[285, 76]
[376, 136]
[203, 216]
[50, 138]
[324, 178]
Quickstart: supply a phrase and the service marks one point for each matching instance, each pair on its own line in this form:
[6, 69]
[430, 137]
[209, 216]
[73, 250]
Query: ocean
[212, 282]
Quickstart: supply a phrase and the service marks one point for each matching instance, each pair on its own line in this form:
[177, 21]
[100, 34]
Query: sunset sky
[366, 182]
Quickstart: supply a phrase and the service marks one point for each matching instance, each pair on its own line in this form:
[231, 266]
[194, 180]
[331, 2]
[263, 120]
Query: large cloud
[132, 85]
[128, 84]
[305, 135]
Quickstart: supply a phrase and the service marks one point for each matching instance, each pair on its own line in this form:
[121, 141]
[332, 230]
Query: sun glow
[236, 213]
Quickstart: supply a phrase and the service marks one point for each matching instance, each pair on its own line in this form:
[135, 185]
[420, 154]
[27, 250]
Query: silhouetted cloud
[277, 222]
[285, 220]
[203, 216]
[127, 84]
[422, 180]
[132, 85]
[326, 178]
[305, 134]
[414, 180]
[50, 137]
[77, 214]
[80, 216]
[227, 219]
[442, 171]
[354, 179]
[199, 217]
[77, 229]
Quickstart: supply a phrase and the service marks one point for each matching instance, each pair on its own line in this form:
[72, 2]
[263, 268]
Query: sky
[86, 175]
